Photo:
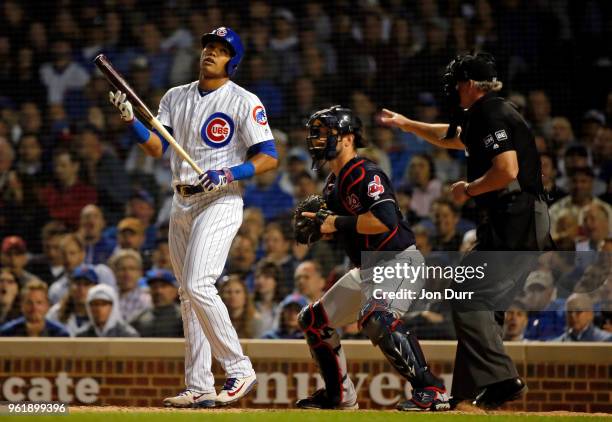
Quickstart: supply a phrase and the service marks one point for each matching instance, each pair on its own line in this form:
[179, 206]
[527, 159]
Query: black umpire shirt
[494, 126]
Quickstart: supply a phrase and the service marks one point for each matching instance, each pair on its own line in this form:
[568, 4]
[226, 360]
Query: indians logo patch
[375, 188]
[217, 130]
[259, 115]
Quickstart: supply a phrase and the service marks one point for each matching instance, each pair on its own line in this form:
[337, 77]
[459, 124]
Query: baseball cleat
[319, 400]
[494, 395]
[426, 399]
[190, 398]
[235, 388]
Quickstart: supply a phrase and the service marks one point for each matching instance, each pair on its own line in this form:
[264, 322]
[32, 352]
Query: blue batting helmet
[232, 39]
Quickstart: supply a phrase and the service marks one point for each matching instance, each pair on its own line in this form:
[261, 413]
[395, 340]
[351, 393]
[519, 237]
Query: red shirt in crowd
[65, 205]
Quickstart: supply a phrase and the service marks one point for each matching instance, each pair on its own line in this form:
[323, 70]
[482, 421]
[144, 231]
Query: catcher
[359, 207]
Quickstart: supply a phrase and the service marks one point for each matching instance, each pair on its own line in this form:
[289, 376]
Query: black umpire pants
[481, 359]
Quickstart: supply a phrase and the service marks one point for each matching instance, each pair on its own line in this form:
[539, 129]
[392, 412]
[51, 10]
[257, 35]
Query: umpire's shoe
[190, 398]
[494, 395]
[319, 400]
[235, 388]
[426, 399]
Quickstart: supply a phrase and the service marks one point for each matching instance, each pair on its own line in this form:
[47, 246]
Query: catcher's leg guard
[399, 346]
[325, 348]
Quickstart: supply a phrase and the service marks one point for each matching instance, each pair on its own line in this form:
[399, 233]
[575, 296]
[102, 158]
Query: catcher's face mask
[322, 142]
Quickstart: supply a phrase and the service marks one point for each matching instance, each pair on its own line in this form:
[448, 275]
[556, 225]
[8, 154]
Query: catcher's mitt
[308, 230]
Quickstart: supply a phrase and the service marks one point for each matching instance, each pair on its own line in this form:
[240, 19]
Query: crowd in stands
[83, 212]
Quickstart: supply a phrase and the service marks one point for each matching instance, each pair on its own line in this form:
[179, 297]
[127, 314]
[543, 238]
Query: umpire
[504, 178]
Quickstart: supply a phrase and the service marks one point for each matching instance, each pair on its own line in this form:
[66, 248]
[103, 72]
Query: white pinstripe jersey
[215, 130]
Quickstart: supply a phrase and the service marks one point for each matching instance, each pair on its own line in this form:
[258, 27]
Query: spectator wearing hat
[104, 316]
[546, 311]
[9, 296]
[34, 307]
[130, 234]
[98, 246]
[142, 206]
[288, 327]
[70, 311]
[66, 195]
[73, 254]
[580, 196]
[164, 319]
[133, 299]
[579, 308]
[515, 322]
[14, 255]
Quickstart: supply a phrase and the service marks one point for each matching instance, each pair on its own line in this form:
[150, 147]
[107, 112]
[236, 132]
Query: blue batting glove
[213, 180]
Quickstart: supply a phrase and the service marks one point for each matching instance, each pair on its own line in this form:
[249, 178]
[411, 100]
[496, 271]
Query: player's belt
[188, 190]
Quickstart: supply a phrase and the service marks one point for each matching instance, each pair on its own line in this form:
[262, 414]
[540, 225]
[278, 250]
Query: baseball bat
[117, 81]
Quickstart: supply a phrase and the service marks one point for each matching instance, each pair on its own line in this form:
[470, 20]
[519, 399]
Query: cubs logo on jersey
[222, 32]
[217, 130]
[375, 188]
[259, 115]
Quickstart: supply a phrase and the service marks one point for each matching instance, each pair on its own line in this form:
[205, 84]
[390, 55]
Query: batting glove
[118, 99]
[213, 180]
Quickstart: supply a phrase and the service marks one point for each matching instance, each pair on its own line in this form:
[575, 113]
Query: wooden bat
[117, 81]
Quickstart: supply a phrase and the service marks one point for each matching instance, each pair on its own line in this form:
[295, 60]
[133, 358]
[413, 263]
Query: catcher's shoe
[426, 399]
[319, 400]
[190, 398]
[235, 388]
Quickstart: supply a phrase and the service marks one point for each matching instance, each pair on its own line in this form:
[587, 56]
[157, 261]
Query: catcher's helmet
[232, 39]
[340, 121]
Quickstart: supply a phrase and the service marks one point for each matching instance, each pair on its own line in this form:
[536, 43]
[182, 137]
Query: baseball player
[363, 213]
[220, 125]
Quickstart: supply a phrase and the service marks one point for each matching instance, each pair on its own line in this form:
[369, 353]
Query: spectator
[67, 194]
[546, 311]
[422, 239]
[309, 281]
[266, 193]
[104, 315]
[160, 258]
[592, 122]
[596, 228]
[242, 312]
[425, 187]
[14, 255]
[578, 157]
[305, 185]
[133, 300]
[565, 230]
[9, 296]
[164, 319]
[70, 310]
[539, 113]
[515, 322]
[579, 308]
[288, 327]
[130, 234]
[580, 195]
[73, 254]
[142, 206]
[34, 307]
[62, 74]
[446, 217]
[549, 177]
[267, 298]
[277, 246]
[562, 135]
[91, 227]
[241, 260]
[49, 266]
[104, 171]
[158, 60]
[11, 191]
[253, 224]
[284, 43]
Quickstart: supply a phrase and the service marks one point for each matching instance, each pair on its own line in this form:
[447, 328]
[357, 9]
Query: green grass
[292, 416]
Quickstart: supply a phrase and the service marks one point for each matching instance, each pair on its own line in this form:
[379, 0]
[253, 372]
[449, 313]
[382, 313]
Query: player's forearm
[368, 223]
[148, 140]
[433, 133]
[263, 163]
